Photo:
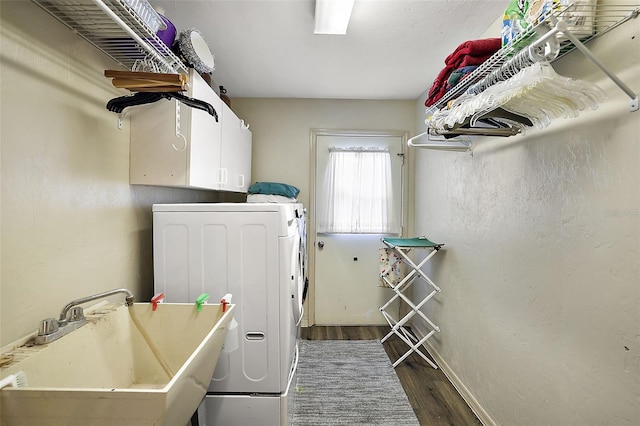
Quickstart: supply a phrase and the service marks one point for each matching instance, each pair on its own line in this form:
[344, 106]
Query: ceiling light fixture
[332, 16]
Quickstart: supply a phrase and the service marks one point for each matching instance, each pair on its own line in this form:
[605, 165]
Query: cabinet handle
[184, 143]
[241, 181]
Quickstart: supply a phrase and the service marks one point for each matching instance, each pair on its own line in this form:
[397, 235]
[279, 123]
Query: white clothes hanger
[441, 144]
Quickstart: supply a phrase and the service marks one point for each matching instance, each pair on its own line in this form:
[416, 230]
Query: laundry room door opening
[357, 198]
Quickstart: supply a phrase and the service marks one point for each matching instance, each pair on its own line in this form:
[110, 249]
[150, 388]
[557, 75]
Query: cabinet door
[158, 155]
[235, 164]
[173, 144]
[204, 152]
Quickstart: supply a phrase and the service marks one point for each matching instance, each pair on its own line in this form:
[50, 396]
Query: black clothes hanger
[140, 98]
[194, 103]
[500, 112]
[497, 122]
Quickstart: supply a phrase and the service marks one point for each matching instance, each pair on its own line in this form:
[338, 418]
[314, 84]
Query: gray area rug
[348, 382]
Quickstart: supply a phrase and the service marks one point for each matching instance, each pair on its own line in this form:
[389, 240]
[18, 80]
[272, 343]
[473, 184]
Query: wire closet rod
[545, 48]
[605, 18]
[551, 45]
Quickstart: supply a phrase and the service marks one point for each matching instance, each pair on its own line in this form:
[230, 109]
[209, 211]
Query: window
[358, 195]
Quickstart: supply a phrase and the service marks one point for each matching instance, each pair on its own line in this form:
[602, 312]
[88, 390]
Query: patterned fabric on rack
[390, 264]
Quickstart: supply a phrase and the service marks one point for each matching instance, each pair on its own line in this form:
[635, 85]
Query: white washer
[253, 251]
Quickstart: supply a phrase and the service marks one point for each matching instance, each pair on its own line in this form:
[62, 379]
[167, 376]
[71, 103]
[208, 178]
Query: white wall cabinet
[173, 144]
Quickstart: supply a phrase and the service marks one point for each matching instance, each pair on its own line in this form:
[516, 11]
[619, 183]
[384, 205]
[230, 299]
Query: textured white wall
[540, 307]
[71, 223]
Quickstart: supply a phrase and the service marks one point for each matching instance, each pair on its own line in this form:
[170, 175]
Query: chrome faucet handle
[48, 326]
[76, 314]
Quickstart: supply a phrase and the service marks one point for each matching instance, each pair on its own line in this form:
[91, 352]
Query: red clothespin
[158, 298]
[226, 299]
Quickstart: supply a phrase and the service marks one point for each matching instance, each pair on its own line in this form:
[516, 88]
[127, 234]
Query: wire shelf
[118, 30]
[601, 18]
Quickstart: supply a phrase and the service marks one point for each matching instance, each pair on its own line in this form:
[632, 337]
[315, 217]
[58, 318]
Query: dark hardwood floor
[433, 398]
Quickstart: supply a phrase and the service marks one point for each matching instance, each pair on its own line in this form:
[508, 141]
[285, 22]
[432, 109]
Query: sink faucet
[65, 311]
[72, 317]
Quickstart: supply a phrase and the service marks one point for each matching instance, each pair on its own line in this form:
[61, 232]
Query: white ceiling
[393, 48]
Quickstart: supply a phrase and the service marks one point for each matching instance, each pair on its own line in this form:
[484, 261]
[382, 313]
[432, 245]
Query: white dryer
[253, 251]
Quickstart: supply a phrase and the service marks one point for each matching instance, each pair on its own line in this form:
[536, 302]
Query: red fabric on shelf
[472, 52]
[483, 47]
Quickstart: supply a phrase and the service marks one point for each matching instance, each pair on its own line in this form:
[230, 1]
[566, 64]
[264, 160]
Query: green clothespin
[201, 300]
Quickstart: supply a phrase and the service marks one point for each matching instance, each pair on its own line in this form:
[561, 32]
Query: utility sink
[127, 366]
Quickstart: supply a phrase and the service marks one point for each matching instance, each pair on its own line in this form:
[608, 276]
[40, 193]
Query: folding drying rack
[401, 248]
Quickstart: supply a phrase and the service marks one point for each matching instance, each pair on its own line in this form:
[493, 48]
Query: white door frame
[311, 217]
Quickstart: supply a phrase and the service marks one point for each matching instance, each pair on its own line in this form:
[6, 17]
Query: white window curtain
[358, 195]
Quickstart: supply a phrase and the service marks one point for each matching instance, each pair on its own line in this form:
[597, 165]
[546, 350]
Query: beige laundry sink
[113, 371]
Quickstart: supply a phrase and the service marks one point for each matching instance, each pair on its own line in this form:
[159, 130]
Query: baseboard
[482, 415]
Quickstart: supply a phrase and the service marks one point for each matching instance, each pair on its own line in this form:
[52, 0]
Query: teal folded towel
[274, 188]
